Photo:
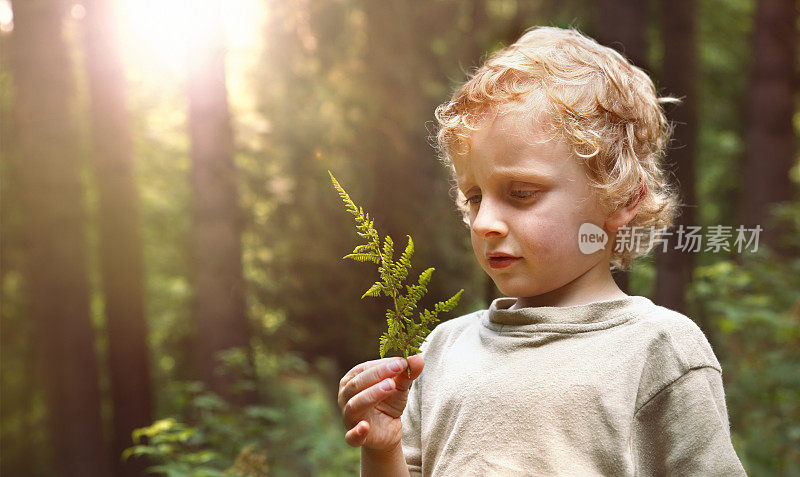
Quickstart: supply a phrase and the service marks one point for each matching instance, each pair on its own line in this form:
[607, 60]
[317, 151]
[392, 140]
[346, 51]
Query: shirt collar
[595, 312]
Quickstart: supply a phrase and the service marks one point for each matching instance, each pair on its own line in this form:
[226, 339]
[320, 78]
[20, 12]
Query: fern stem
[405, 342]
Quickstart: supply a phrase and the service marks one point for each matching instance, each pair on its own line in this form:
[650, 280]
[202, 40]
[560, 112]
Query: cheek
[553, 238]
[542, 233]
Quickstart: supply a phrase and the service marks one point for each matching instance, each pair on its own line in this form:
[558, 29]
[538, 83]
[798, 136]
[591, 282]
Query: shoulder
[675, 334]
[672, 344]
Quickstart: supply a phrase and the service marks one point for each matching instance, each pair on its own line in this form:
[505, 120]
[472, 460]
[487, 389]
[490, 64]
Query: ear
[622, 216]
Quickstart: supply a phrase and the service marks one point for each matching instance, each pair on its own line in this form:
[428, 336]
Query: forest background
[171, 243]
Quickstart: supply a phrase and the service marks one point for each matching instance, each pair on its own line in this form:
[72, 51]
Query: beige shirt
[620, 387]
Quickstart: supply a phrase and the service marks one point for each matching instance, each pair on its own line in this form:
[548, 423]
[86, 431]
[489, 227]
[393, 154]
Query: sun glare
[156, 34]
[6, 16]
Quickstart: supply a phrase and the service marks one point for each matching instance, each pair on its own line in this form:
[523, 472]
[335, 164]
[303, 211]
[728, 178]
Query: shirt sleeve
[684, 429]
[412, 430]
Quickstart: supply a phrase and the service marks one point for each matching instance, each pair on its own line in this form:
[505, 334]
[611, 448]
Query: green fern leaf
[450, 303]
[363, 257]
[403, 334]
[374, 290]
[401, 269]
[366, 248]
[425, 277]
[384, 345]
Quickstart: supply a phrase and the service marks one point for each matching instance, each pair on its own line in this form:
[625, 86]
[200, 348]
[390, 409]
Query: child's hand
[370, 413]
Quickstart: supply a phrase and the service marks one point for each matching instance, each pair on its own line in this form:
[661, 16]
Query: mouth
[502, 260]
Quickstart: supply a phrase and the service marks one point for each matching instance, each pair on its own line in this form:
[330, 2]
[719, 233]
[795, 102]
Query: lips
[502, 260]
[499, 255]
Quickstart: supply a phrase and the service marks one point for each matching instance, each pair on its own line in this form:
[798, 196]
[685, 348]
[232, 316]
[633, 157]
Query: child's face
[529, 196]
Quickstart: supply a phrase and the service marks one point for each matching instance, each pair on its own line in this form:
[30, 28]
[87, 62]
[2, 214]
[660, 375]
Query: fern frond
[384, 345]
[396, 327]
[450, 303]
[374, 290]
[415, 294]
[363, 257]
[351, 207]
[366, 248]
[403, 333]
[403, 265]
[425, 277]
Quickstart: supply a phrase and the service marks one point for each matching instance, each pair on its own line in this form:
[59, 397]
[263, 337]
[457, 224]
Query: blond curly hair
[607, 109]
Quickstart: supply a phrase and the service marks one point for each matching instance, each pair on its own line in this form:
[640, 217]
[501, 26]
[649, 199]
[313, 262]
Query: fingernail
[395, 365]
[386, 385]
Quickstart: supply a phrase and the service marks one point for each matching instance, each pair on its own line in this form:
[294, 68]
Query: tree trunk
[770, 142]
[120, 240]
[679, 75]
[476, 37]
[54, 225]
[621, 24]
[396, 108]
[219, 306]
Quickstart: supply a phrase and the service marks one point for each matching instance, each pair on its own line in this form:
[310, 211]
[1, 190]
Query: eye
[524, 194]
[519, 194]
[473, 199]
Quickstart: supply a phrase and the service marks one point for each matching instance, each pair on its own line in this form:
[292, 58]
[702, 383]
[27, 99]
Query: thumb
[416, 363]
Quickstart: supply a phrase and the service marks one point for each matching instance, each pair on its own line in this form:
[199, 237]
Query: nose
[488, 220]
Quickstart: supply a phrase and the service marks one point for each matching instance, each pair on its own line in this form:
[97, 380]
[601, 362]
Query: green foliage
[755, 308]
[296, 432]
[404, 334]
[178, 445]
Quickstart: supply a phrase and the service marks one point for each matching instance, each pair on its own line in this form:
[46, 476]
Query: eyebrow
[522, 174]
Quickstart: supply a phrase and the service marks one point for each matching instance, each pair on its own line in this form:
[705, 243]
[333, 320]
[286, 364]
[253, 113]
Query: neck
[596, 284]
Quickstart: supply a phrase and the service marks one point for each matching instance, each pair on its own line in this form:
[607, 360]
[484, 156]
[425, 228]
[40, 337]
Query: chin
[527, 285]
[516, 289]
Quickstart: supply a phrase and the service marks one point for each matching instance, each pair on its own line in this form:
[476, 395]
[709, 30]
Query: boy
[567, 375]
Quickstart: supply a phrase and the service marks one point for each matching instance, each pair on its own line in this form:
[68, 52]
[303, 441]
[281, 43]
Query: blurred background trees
[170, 242]
[52, 234]
[119, 229]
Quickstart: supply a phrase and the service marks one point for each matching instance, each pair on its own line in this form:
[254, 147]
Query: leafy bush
[296, 432]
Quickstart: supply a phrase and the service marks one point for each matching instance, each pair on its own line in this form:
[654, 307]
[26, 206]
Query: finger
[355, 371]
[379, 371]
[356, 436]
[357, 407]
